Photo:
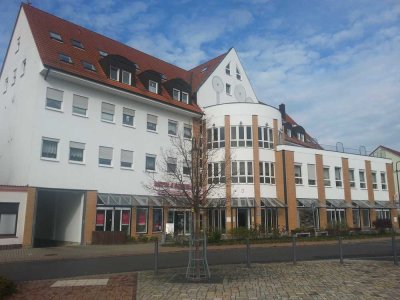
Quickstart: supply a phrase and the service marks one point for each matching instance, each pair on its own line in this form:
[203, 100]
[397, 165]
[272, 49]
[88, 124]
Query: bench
[321, 233]
[303, 234]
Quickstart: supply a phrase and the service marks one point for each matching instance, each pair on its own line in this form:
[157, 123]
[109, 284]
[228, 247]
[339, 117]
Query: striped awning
[271, 202]
[362, 204]
[337, 203]
[243, 202]
[384, 204]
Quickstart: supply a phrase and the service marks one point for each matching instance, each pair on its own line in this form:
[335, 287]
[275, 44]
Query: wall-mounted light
[266, 124]
[240, 123]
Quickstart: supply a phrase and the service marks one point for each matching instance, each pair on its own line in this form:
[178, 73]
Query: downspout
[285, 188]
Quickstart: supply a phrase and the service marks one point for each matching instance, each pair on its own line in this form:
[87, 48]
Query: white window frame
[338, 177]
[83, 148]
[56, 36]
[298, 177]
[88, 66]
[18, 44]
[187, 126]
[265, 137]
[363, 182]
[107, 114]
[185, 97]
[153, 86]
[267, 172]
[242, 172]
[374, 180]
[116, 69]
[172, 165]
[129, 77]
[238, 74]
[312, 176]
[147, 219]
[214, 137]
[110, 165]
[228, 89]
[65, 58]
[155, 163]
[327, 179]
[383, 181]
[352, 178]
[216, 172]
[130, 113]
[57, 141]
[76, 106]
[125, 161]
[9, 216]
[176, 94]
[175, 123]
[56, 100]
[147, 123]
[246, 141]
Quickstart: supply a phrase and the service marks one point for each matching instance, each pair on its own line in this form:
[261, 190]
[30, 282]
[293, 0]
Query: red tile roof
[41, 23]
[314, 145]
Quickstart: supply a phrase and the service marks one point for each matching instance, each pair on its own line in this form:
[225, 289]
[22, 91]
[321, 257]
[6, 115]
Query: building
[83, 120]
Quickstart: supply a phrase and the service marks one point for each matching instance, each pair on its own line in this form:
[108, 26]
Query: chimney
[282, 109]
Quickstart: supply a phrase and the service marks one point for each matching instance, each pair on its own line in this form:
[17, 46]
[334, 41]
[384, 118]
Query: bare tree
[186, 176]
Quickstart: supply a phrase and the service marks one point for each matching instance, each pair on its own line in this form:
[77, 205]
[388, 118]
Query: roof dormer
[152, 80]
[119, 68]
[179, 90]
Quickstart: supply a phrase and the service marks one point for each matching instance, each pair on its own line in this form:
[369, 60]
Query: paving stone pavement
[354, 279]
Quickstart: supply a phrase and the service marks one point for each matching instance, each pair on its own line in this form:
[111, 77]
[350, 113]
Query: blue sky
[335, 64]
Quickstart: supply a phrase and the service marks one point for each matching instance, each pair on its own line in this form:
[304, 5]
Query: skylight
[77, 44]
[204, 69]
[65, 58]
[88, 66]
[103, 53]
[56, 36]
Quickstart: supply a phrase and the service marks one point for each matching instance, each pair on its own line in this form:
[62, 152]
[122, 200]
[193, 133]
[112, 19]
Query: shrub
[7, 287]
[131, 239]
[153, 239]
[214, 236]
[143, 238]
[243, 232]
[382, 224]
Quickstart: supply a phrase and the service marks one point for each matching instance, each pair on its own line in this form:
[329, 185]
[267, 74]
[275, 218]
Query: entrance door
[179, 227]
[109, 220]
[243, 217]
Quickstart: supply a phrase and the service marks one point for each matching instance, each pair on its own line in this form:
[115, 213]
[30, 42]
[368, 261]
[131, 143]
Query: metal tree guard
[199, 263]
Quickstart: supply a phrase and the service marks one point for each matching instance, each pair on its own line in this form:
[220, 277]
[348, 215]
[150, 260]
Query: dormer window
[77, 44]
[88, 66]
[185, 97]
[288, 132]
[228, 69]
[103, 53]
[153, 86]
[56, 36]
[126, 77]
[238, 75]
[65, 58]
[228, 89]
[176, 94]
[114, 73]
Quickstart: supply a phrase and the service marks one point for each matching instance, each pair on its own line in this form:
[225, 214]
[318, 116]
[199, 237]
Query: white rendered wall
[207, 95]
[15, 197]
[305, 190]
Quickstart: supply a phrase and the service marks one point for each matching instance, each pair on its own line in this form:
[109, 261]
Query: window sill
[106, 166]
[8, 236]
[150, 171]
[127, 169]
[54, 109]
[82, 116]
[77, 162]
[109, 122]
[129, 126]
[172, 135]
[50, 159]
[152, 131]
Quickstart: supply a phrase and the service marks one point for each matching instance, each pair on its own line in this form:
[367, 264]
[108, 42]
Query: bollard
[248, 252]
[340, 249]
[156, 256]
[294, 249]
[394, 249]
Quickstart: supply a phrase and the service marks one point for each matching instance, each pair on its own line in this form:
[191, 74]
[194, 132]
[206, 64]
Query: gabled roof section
[41, 23]
[203, 71]
[395, 152]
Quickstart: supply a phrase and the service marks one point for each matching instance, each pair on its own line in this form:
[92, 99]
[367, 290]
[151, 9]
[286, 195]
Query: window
[228, 69]
[79, 105]
[338, 176]
[113, 219]
[8, 219]
[216, 137]
[289, 132]
[128, 116]
[141, 220]
[56, 36]
[187, 131]
[185, 97]
[228, 88]
[153, 86]
[300, 136]
[238, 75]
[312, 178]
[327, 179]
[176, 94]
[114, 73]
[383, 181]
[126, 77]
[186, 168]
[54, 98]
[242, 172]
[23, 67]
[18, 44]
[105, 156]
[171, 165]
[374, 180]
[103, 53]
[265, 137]
[76, 152]
[65, 58]
[267, 172]
[297, 174]
[241, 136]
[49, 148]
[14, 76]
[77, 44]
[152, 122]
[216, 173]
[362, 179]
[5, 85]
[150, 162]
[352, 178]
[107, 112]
[126, 159]
[157, 219]
[172, 127]
[88, 66]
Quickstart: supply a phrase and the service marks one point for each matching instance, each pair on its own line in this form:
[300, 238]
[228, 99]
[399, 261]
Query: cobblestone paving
[119, 286]
[305, 280]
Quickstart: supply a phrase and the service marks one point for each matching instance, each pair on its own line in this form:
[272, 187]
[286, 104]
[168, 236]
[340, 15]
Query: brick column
[391, 190]
[347, 192]
[319, 165]
[90, 216]
[371, 196]
[29, 216]
[228, 186]
[150, 222]
[279, 182]
[256, 160]
[133, 222]
[291, 190]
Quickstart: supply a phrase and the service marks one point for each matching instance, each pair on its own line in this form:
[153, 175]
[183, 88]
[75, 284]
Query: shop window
[216, 220]
[8, 219]
[141, 220]
[157, 219]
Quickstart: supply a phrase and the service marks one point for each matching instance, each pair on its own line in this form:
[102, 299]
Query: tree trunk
[197, 241]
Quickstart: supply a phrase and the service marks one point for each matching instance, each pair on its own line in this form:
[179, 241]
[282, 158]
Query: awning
[363, 204]
[271, 202]
[216, 202]
[306, 202]
[337, 203]
[242, 202]
[133, 200]
[384, 204]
